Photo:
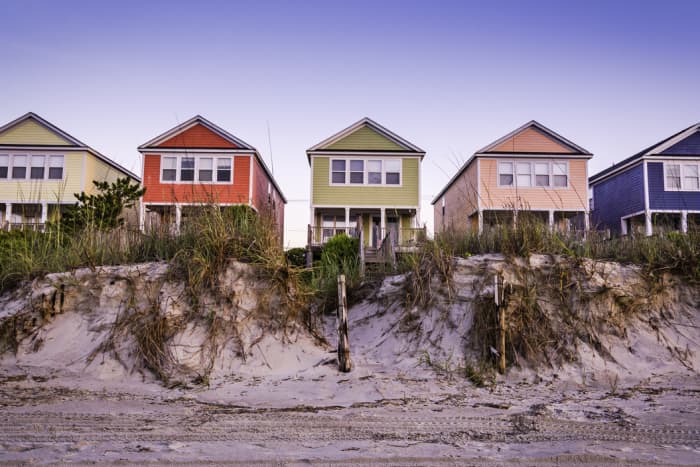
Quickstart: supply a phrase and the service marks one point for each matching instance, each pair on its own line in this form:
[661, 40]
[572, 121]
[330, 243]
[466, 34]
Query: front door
[392, 228]
[376, 232]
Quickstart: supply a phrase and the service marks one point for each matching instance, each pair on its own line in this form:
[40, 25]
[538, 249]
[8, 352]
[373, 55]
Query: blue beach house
[656, 189]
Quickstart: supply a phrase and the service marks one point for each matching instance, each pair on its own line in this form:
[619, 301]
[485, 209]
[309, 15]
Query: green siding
[365, 195]
[406, 222]
[367, 139]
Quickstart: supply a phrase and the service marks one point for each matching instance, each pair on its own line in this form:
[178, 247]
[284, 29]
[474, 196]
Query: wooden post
[344, 362]
[309, 251]
[498, 297]
[361, 236]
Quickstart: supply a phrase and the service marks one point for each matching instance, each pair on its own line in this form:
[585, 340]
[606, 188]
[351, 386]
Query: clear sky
[451, 77]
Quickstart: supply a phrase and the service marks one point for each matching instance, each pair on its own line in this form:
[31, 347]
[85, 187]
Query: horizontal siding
[573, 198]
[157, 192]
[98, 170]
[617, 197]
[673, 200]
[31, 132]
[690, 146]
[262, 201]
[366, 139]
[531, 140]
[198, 136]
[364, 195]
[460, 202]
[52, 191]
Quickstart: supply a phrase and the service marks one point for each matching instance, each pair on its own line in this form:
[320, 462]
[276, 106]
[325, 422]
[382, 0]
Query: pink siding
[531, 140]
[460, 202]
[573, 198]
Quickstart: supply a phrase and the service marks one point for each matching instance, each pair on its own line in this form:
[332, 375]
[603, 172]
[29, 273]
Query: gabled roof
[196, 120]
[573, 149]
[239, 144]
[493, 150]
[402, 145]
[660, 149]
[71, 141]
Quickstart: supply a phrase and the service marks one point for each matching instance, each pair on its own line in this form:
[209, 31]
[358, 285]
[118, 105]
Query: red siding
[261, 200]
[157, 192]
[197, 136]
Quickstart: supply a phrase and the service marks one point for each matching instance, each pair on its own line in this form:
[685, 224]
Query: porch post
[178, 217]
[8, 214]
[647, 223]
[623, 226]
[44, 212]
[684, 221]
[142, 216]
[382, 222]
[587, 221]
[347, 221]
[551, 219]
[480, 221]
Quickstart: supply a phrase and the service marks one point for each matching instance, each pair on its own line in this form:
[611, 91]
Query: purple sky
[613, 77]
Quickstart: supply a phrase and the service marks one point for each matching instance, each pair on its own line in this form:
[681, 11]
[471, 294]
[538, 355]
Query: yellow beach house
[367, 177]
[42, 167]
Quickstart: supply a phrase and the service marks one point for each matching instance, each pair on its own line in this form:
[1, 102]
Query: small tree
[102, 210]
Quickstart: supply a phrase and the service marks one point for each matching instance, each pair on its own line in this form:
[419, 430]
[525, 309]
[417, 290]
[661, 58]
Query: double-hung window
[505, 174]
[357, 171]
[374, 172]
[673, 176]
[393, 172]
[541, 174]
[4, 165]
[691, 177]
[206, 169]
[19, 167]
[187, 169]
[36, 171]
[223, 169]
[169, 169]
[560, 175]
[55, 167]
[524, 174]
[338, 171]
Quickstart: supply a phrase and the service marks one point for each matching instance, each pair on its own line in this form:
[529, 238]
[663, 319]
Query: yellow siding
[51, 191]
[365, 195]
[366, 139]
[97, 170]
[572, 198]
[30, 132]
[460, 202]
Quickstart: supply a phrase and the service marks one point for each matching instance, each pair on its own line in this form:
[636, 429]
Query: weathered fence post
[309, 251]
[498, 296]
[344, 362]
[361, 236]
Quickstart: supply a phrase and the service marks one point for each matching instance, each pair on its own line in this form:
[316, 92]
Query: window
[36, 171]
[19, 167]
[505, 173]
[55, 167]
[374, 172]
[393, 172]
[357, 171]
[691, 177]
[169, 169]
[206, 169]
[524, 174]
[338, 168]
[187, 169]
[560, 175]
[4, 165]
[673, 176]
[541, 174]
[223, 169]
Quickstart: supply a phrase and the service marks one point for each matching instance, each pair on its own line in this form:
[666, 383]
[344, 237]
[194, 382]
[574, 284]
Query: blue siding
[687, 147]
[673, 200]
[616, 197]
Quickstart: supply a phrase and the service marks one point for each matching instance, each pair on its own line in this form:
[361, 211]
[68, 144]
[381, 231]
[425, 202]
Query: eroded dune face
[580, 319]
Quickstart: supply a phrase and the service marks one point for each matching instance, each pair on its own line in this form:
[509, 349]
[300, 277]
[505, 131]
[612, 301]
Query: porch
[29, 216]
[659, 222]
[559, 221]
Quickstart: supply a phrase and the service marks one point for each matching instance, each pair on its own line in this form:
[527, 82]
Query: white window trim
[682, 164]
[178, 167]
[365, 180]
[28, 165]
[533, 177]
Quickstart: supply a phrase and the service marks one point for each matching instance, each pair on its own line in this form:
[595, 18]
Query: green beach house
[366, 179]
